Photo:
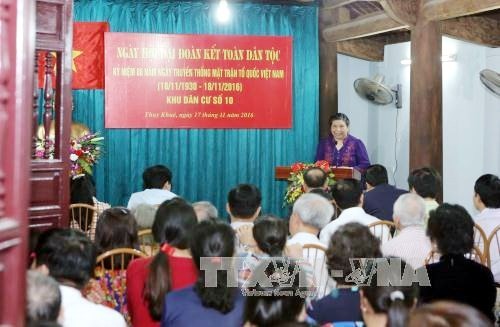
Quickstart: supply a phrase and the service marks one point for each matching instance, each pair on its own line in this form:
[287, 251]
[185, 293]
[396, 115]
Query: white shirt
[488, 220]
[411, 244]
[152, 196]
[316, 259]
[349, 215]
[303, 238]
[240, 248]
[80, 312]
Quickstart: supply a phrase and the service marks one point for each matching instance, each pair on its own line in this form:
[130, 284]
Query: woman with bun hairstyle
[211, 301]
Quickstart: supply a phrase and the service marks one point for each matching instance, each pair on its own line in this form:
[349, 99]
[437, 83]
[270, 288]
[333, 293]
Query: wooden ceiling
[362, 28]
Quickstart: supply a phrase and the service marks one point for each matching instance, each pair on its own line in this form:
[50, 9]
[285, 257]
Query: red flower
[79, 153]
[323, 164]
[298, 166]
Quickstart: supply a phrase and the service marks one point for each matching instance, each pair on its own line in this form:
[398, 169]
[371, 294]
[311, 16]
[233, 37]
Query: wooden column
[328, 92]
[426, 115]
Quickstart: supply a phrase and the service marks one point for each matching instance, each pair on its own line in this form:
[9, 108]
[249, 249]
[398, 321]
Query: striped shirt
[411, 244]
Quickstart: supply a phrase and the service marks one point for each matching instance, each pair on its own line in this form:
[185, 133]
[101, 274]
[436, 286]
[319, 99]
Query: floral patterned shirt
[352, 154]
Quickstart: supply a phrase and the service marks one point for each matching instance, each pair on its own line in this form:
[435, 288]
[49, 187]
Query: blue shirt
[184, 308]
[341, 305]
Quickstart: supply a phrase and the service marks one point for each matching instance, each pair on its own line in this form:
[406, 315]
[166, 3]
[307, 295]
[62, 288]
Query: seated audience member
[150, 279]
[279, 302]
[205, 210]
[380, 196]
[268, 239]
[487, 202]
[411, 243]
[449, 314]
[144, 215]
[348, 196]
[243, 207]
[157, 183]
[315, 181]
[388, 305]
[350, 241]
[69, 257]
[115, 229]
[82, 190]
[425, 182]
[455, 277]
[43, 299]
[310, 214]
[211, 301]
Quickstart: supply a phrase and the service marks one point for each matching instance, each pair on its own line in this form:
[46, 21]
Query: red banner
[197, 81]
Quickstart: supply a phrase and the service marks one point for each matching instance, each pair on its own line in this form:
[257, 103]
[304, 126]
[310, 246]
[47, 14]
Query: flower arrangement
[296, 186]
[84, 152]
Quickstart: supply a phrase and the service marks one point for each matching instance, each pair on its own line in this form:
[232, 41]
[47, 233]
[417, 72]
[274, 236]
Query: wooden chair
[475, 254]
[382, 229]
[147, 242]
[315, 255]
[493, 246]
[117, 259]
[82, 218]
[109, 287]
[480, 239]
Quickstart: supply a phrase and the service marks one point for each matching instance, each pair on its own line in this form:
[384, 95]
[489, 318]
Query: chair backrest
[315, 255]
[117, 259]
[475, 254]
[147, 242]
[110, 284]
[382, 229]
[82, 218]
[493, 247]
[480, 238]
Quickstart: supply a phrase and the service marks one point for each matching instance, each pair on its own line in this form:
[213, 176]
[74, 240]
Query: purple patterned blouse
[352, 154]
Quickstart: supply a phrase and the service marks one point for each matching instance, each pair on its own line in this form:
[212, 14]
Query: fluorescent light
[223, 14]
[444, 58]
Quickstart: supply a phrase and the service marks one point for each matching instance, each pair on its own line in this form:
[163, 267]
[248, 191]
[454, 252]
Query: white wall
[471, 116]
[352, 105]
[491, 155]
[376, 125]
[463, 121]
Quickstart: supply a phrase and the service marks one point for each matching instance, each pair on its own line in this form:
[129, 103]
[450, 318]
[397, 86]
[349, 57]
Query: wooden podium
[283, 172]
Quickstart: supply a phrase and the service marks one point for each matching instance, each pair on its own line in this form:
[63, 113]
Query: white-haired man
[311, 212]
[412, 243]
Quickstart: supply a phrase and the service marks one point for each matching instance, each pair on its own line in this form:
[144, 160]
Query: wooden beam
[371, 24]
[328, 90]
[333, 4]
[480, 30]
[445, 9]
[402, 11]
[391, 37]
[426, 114]
[365, 49]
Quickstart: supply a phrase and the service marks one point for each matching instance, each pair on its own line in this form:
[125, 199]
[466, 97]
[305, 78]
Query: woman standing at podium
[340, 148]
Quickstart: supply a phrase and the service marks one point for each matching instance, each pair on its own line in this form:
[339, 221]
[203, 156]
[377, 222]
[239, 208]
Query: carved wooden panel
[16, 57]
[52, 27]
[49, 204]
[45, 188]
[49, 17]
